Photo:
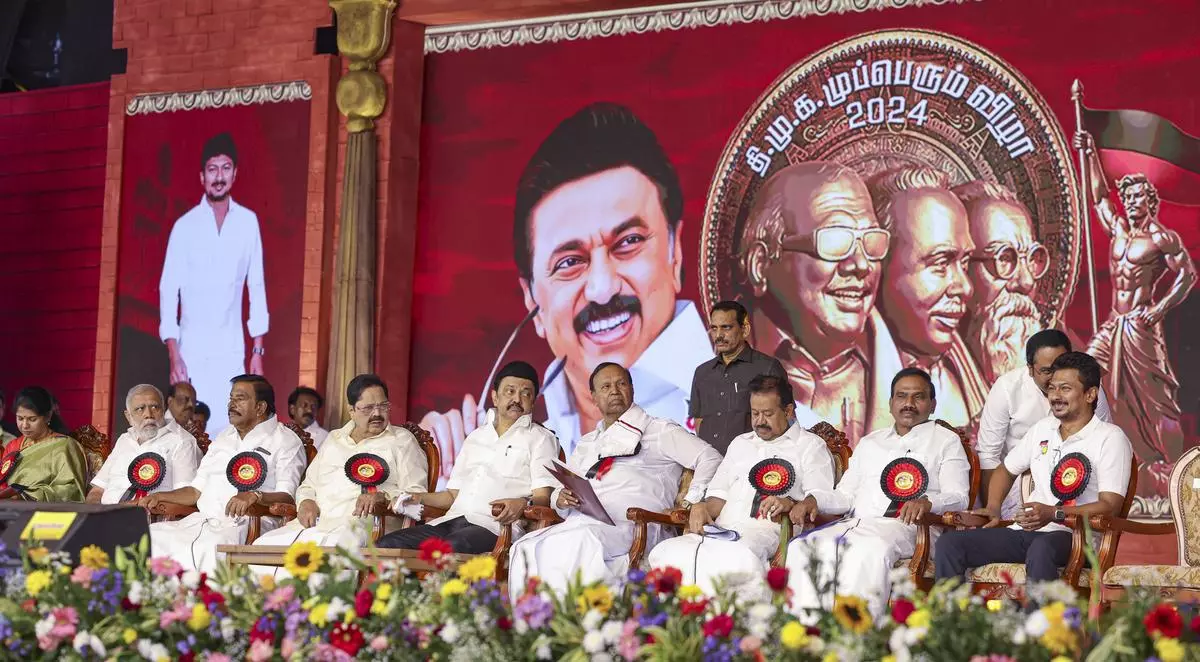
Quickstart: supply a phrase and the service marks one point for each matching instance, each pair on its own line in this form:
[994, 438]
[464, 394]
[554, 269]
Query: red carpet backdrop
[208, 287]
[881, 189]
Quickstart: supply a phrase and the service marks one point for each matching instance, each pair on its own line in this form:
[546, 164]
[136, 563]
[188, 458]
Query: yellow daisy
[689, 592]
[93, 557]
[37, 581]
[38, 555]
[851, 613]
[129, 635]
[200, 617]
[1169, 650]
[595, 597]
[477, 569]
[453, 587]
[303, 559]
[793, 636]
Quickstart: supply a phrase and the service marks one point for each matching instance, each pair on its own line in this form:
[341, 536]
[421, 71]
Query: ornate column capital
[364, 30]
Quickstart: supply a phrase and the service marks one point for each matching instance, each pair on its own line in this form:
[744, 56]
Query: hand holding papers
[589, 503]
[404, 505]
[717, 533]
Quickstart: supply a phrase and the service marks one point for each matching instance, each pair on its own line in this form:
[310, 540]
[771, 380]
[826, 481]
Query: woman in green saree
[43, 464]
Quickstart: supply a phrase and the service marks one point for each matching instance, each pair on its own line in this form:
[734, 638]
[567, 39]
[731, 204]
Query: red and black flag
[1132, 141]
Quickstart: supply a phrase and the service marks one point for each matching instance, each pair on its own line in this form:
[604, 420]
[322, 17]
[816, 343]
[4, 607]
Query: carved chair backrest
[433, 454]
[96, 447]
[972, 459]
[1185, 506]
[310, 449]
[839, 447]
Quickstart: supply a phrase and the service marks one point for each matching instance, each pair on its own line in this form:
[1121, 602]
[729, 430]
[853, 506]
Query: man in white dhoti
[896, 476]
[1017, 401]
[365, 463]
[213, 255]
[632, 460]
[303, 406]
[764, 474]
[502, 463]
[254, 460]
[154, 455]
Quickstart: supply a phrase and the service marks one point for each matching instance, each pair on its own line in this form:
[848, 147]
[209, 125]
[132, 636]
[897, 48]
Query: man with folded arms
[502, 463]
[631, 460]
[1017, 401]
[764, 474]
[152, 456]
[896, 476]
[253, 461]
[1080, 466]
[364, 464]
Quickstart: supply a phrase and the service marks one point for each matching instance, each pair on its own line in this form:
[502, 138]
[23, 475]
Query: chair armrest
[673, 517]
[1110, 523]
[962, 519]
[541, 516]
[285, 510]
[173, 510]
[432, 513]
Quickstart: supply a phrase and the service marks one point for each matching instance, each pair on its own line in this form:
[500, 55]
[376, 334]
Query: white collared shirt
[1042, 448]
[180, 457]
[805, 451]
[492, 466]
[650, 478]
[327, 483]
[204, 273]
[279, 446]
[662, 376]
[935, 447]
[317, 433]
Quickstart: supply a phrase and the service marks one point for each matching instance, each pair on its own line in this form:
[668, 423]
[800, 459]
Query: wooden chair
[201, 437]
[96, 447]
[999, 579]
[310, 449]
[839, 447]
[1179, 582]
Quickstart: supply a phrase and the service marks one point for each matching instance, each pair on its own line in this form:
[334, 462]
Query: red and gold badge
[7, 465]
[770, 477]
[903, 479]
[367, 470]
[246, 471]
[146, 473]
[1070, 478]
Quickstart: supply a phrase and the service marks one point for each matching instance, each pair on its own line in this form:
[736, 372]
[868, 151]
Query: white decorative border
[146, 104]
[449, 39]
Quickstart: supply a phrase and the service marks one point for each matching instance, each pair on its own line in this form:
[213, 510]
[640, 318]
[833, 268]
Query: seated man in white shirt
[632, 460]
[1015, 403]
[896, 476]
[365, 463]
[1080, 466]
[254, 460]
[303, 406]
[501, 463]
[155, 454]
[764, 474]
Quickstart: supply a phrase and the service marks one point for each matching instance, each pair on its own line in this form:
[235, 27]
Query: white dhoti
[594, 550]
[192, 541]
[209, 370]
[740, 565]
[350, 536]
[863, 552]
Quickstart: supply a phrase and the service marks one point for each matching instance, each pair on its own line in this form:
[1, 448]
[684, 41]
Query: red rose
[504, 623]
[1195, 624]
[209, 597]
[901, 608]
[719, 626]
[262, 631]
[693, 607]
[362, 603]
[29, 605]
[812, 631]
[346, 638]
[664, 580]
[187, 657]
[1164, 619]
[777, 579]
[435, 551]
[126, 605]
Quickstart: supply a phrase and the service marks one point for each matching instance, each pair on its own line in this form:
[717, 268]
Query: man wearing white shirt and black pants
[213, 254]
[502, 463]
[156, 453]
[1017, 401]
[303, 405]
[1080, 466]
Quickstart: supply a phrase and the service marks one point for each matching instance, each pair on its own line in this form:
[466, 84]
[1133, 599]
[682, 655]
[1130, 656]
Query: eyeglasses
[1003, 260]
[837, 244]
[141, 409]
[382, 408]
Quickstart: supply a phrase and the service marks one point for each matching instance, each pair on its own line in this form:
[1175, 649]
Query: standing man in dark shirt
[720, 404]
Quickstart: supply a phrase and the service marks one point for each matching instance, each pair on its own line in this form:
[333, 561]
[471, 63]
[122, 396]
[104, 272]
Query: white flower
[43, 627]
[612, 631]
[315, 582]
[450, 632]
[1037, 624]
[898, 641]
[482, 620]
[337, 608]
[1019, 637]
[762, 612]
[592, 619]
[85, 639]
[191, 579]
[915, 635]
[602, 657]
[760, 629]
[238, 590]
[593, 642]
[1056, 591]
[153, 652]
[520, 626]
[228, 629]
[543, 652]
[137, 592]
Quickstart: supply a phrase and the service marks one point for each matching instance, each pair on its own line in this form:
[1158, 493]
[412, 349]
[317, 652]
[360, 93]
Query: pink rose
[218, 657]
[287, 647]
[82, 576]
[379, 643]
[260, 651]
[164, 566]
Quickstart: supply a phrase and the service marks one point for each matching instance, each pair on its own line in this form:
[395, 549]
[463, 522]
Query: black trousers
[1043, 553]
[464, 537]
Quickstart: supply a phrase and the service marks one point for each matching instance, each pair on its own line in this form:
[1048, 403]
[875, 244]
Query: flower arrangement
[336, 607]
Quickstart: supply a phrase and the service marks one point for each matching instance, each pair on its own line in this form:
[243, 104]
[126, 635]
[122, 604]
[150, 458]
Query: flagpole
[1085, 185]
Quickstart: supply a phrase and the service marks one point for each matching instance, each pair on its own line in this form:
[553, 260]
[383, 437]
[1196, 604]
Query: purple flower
[657, 620]
[1072, 616]
[636, 576]
[534, 610]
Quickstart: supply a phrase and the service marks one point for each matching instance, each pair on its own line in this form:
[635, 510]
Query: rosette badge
[367, 470]
[8, 465]
[903, 479]
[146, 473]
[246, 471]
[1070, 478]
[770, 477]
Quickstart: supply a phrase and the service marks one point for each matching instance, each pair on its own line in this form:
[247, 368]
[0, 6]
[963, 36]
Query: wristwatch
[1060, 515]
[257, 496]
[261, 351]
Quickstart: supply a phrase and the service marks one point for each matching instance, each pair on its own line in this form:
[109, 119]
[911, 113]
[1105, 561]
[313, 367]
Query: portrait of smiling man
[597, 244]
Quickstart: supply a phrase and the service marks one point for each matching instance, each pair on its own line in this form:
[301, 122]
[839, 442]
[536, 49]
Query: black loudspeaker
[69, 527]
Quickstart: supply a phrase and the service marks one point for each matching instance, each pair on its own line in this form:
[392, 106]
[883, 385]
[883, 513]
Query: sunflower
[595, 597]
[851, 613]
[303, 559]
[477, 569]
[93, 557]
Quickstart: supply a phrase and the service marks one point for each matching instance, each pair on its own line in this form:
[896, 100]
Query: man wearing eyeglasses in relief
[1005, 269]
[926, 291]
[811, 255]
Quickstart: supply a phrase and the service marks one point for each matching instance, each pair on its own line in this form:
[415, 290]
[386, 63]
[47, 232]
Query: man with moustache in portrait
[925, 289]
[1005, 268]
[811, 256]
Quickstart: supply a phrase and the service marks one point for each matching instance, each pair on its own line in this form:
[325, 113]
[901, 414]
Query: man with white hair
[151, 456]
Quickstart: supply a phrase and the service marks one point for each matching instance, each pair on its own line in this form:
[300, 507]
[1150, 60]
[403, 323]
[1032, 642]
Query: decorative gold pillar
[363, 33]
